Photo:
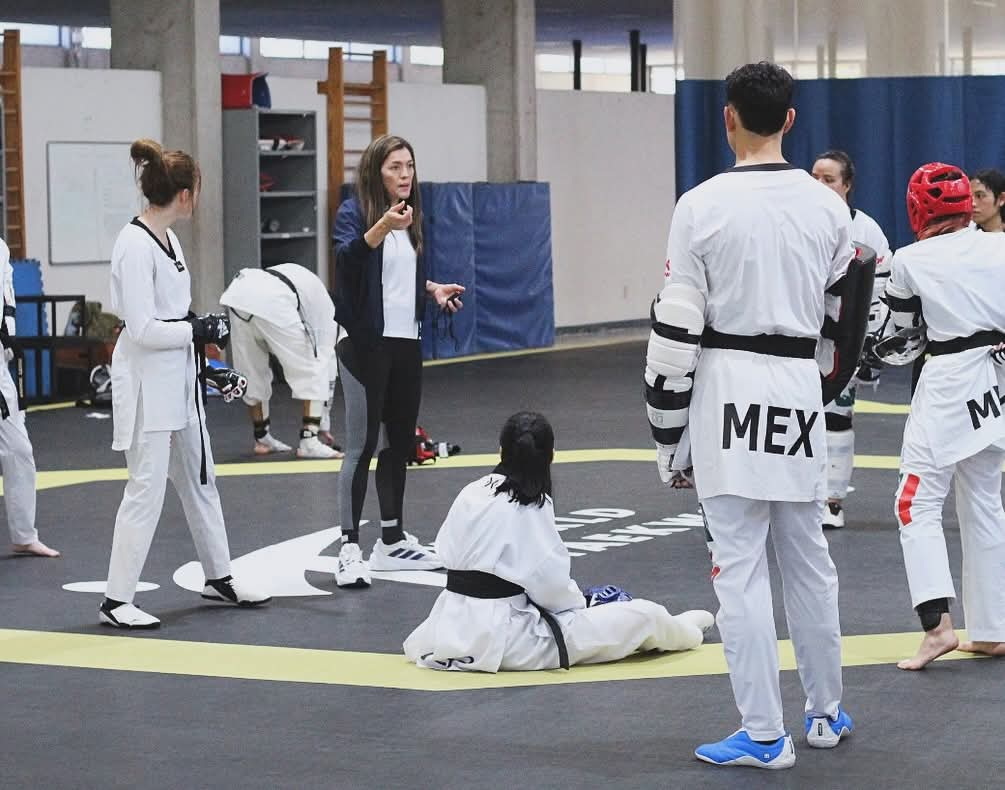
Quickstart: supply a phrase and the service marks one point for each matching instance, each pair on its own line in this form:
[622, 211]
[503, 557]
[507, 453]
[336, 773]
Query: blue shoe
[739, 749]
[823, 732]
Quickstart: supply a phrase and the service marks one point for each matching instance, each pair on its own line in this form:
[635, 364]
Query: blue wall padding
[513, 267]
[449, 241]
[889, 126]
[28, 282]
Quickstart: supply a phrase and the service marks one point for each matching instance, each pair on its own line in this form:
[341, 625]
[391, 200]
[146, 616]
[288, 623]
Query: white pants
[920, 499]
[603, 633]
[18, 462]
[615, 630]
[252, 342]
[153, 458]
[738, 531]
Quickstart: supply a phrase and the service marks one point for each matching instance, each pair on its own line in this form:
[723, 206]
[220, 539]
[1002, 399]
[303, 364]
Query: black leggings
[381, 385]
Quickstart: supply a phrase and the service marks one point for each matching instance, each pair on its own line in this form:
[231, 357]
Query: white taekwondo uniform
[956, 430]
[266, 320]
[761, 244]
[519, 544]
[155, 417]
[841, 441]
[17, 457]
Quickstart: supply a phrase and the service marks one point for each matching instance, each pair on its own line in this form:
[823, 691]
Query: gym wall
[609, 158]
[78, 105]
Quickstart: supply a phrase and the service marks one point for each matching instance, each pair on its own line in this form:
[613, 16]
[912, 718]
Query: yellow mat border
[382, 670]
[69, 477]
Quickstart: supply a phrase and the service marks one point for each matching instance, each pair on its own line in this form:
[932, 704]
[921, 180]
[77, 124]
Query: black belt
[477, 584]
[939, 347]
[769, 345]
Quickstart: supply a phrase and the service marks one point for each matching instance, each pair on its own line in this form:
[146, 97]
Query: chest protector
[843, 336]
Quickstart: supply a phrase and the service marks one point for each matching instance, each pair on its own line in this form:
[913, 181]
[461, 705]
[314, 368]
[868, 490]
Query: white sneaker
[126, 616]
[270, 444]
[351, 570]
[312, 448]
[405, 555]
[231, 590]
[833, 516]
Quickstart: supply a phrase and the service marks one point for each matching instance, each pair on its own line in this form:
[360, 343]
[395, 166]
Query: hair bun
[145, 150]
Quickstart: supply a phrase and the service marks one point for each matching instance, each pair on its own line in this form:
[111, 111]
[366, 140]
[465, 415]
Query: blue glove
[607, 593]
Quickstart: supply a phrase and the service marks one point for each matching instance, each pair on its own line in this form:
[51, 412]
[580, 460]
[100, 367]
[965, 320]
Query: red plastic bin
[240, 91]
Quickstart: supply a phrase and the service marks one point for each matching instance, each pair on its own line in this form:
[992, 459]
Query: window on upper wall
[96, 37]
[318, 50]
[361, 51]
[233, 45]
[426, 56]
[662, 79]
[557, 64]
[35, 35]
[281, 47]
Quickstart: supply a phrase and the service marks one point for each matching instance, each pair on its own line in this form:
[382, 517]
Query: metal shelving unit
[270, 198]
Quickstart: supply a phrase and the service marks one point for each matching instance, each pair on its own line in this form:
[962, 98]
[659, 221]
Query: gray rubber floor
[97, 728]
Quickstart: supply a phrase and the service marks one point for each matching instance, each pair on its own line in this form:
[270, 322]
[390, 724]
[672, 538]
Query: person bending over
[510, 603]
[285, 311]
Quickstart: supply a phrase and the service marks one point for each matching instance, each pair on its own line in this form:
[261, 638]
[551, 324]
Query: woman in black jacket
[380, 293]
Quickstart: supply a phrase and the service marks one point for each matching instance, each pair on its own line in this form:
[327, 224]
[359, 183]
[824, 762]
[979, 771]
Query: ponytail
[527, 443]
[163, 174]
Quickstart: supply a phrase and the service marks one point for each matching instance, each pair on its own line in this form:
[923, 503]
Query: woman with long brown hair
[380, 292]
[157, 413]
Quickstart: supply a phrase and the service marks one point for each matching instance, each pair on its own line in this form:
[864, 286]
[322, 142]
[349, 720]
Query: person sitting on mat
[510, 602]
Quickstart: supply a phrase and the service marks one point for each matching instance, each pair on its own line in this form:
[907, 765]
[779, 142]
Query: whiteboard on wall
[92, 195]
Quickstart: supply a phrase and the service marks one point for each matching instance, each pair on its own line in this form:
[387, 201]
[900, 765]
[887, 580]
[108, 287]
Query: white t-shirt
[399, 286]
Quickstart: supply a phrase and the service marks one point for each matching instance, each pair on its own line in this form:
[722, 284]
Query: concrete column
[181, 39]
[903, 37]
[716, 36]
[493, 44]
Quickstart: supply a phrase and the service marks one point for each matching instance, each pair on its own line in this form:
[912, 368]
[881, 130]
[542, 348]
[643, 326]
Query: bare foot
[36, 549]
[987, 648]
[937, 642]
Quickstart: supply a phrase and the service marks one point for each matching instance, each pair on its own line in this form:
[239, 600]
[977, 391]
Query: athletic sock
[351, 536]
[391, 531]
[110, 603]
[261, 429]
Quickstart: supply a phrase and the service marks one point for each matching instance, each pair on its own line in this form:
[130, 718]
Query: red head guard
[937, 190]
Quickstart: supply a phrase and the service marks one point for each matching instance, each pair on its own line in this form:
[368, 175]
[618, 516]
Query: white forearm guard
[678, 318]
